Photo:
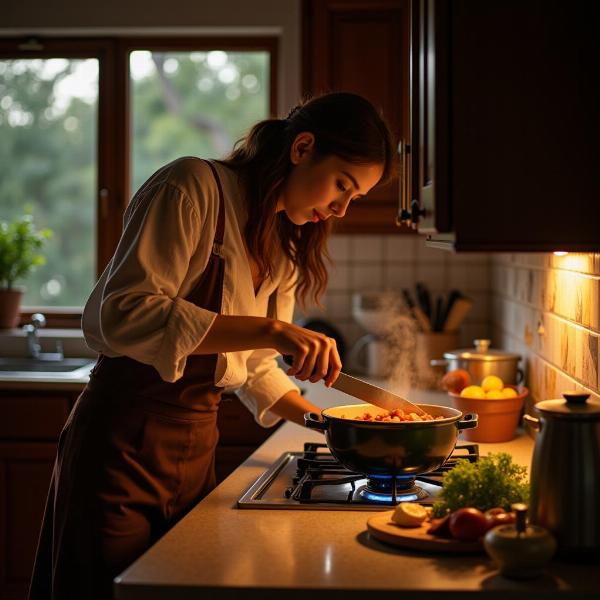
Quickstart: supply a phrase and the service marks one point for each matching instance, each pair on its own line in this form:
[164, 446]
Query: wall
[176, 17]
[547, 308]
[393, 262]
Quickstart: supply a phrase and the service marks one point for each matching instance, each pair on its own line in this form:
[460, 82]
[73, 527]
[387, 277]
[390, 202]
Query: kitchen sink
[71, 368]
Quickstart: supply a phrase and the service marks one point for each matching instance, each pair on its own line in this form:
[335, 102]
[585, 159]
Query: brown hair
[345, 125]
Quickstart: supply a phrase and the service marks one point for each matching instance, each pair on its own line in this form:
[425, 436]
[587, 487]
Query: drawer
[237, 425]
[32, 417]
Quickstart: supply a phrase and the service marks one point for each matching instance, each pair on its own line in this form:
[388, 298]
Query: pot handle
[312, 421]
[520, 376]
[534, 423]
[468, 421]
[438, 362]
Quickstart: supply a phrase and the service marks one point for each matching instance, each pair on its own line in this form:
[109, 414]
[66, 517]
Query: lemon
[492, 382]
[508, 392]
[408, 514]
[473, 391]
[494, 395]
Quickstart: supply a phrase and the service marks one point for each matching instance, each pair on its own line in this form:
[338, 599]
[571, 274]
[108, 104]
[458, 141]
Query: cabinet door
[507, 124]
[430, 114]
[25, 471]
[362, 46]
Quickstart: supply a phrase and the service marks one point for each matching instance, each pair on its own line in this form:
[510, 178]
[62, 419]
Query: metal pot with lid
[565, 486]
[481, 361]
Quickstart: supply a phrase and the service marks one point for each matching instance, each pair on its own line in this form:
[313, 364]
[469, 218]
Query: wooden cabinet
[30, 423]
[239, 435]
[362, 46]
[505, 124]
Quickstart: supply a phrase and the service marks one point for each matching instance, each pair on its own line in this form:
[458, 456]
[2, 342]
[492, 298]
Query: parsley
[492, 481]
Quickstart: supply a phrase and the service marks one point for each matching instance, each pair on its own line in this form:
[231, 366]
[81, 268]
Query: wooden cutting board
[382, 528]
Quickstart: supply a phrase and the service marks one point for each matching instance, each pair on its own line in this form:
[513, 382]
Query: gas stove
[315, 480]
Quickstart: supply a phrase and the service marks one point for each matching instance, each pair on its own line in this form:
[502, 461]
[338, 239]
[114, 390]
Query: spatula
[367, 392]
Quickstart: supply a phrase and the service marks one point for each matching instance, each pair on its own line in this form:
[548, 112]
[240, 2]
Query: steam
[407, 365]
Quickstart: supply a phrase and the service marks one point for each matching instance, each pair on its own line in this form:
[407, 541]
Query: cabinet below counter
[220, 551]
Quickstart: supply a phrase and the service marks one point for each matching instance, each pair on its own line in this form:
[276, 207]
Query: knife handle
[288, 359]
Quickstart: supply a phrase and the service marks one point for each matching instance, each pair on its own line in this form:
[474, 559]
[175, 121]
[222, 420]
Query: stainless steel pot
[480, 362]
[384, 448]
[565, 481]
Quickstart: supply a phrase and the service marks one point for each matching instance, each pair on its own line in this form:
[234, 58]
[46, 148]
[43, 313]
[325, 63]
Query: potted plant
[20, 244]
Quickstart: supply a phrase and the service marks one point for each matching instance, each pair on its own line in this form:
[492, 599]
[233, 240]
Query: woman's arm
[292, 406]
[315, 355]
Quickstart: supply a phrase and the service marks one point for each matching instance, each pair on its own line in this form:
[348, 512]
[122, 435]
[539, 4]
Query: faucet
[34, 348]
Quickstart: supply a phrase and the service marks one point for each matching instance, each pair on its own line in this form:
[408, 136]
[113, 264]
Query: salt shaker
[520, 550]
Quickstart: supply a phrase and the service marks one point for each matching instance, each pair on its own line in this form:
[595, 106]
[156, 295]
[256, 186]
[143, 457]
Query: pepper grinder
[520, 550]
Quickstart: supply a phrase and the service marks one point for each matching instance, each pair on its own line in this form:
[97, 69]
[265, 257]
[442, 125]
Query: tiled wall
[391, 262]
[547, 308]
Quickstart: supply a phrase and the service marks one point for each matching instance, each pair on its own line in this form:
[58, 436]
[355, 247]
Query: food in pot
[456, 380]
[395, 416]
[467, 524]
[509, 392]
[407, 514]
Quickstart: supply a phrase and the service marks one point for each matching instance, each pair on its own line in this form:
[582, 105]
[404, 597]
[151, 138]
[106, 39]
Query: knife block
[432, 345]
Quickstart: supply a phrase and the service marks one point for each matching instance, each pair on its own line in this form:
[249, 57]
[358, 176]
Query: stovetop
[314, 480]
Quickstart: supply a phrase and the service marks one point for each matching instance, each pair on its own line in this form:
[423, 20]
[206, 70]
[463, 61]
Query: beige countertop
[220, 551]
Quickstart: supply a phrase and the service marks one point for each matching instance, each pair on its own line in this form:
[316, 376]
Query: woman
[198, 299]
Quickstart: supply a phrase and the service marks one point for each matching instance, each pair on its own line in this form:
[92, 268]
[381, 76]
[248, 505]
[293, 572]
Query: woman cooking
[198, 300]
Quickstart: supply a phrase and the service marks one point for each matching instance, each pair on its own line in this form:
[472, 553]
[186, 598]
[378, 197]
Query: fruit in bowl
[456, 380]
[491, 388]
[497, 405]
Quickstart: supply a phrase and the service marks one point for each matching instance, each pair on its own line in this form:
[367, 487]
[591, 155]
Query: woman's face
[316, 190]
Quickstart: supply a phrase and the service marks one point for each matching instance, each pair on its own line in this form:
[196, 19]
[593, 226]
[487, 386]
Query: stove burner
[318, 469]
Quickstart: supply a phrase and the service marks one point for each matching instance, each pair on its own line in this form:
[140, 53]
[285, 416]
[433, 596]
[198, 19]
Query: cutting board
[382, 528]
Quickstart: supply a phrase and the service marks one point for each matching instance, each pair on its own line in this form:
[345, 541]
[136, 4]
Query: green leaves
[20, 244]
[492, 481]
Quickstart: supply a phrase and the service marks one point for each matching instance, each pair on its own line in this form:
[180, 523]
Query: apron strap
[220, 231]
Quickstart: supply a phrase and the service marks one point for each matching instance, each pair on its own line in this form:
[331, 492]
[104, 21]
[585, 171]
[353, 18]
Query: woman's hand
[315, 356]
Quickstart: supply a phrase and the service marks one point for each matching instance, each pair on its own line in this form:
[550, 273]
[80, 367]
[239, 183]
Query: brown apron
[134, 456]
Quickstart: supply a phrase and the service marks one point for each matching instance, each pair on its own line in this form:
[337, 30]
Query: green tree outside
[183, 104]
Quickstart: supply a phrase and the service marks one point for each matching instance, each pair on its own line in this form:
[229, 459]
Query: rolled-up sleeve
[267, 382]
[141, 314]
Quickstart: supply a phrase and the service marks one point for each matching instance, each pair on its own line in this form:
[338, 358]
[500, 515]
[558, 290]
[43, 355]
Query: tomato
[494, 511]
[467, 524]
[439, 527]
[502, 518]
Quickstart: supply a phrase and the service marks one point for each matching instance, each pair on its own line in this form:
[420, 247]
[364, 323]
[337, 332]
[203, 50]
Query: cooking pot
[565, 486]
[390, 448]
[480, 362]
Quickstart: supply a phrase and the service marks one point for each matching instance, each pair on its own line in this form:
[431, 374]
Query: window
[83, 123]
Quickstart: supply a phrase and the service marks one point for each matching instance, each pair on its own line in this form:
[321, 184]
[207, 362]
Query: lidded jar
[520, 550]
[565, 473]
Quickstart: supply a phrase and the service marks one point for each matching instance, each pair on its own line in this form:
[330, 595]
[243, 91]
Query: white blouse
[137, 307]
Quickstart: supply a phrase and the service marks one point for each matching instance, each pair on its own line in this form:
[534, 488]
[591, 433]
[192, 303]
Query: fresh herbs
[492, 481]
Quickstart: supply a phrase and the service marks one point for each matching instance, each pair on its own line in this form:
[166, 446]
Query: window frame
[114, 116]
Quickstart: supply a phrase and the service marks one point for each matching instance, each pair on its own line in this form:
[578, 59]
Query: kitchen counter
[220, 551]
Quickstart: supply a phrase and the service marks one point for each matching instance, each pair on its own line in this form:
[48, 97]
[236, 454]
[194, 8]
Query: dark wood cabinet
[505, 124]
[30, 424]
[362, 46]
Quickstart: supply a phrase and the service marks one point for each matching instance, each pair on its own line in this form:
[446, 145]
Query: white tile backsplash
[393, 262]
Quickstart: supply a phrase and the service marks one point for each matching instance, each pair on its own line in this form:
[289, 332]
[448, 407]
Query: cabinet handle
[404, 216]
